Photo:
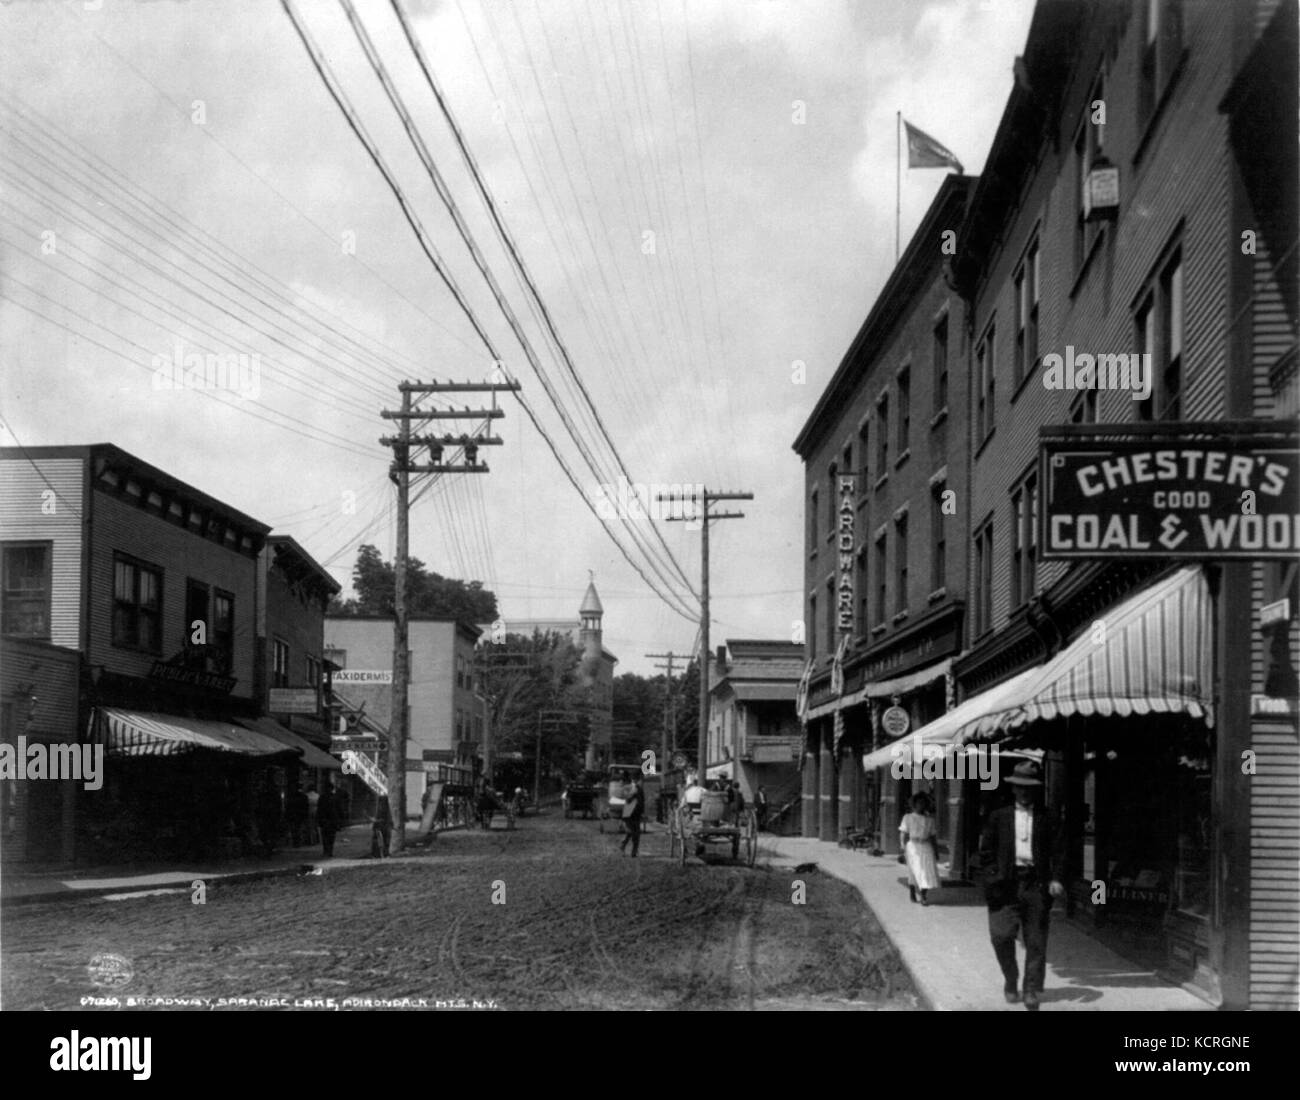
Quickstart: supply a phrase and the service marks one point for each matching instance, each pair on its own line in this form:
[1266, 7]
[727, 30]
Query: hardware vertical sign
[844, 596]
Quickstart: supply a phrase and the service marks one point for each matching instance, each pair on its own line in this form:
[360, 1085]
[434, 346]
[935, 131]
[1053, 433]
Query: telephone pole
[670, 708]
[705, 517]
[400, 473]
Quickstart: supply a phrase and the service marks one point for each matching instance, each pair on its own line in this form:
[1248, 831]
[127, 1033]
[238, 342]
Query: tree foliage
[428, 594]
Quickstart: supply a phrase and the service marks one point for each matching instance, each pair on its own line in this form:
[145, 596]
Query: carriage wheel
[751, 839]
[672, 839]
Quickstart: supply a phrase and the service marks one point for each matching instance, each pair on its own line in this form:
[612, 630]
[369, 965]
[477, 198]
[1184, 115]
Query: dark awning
[312, 756]
[141, 733]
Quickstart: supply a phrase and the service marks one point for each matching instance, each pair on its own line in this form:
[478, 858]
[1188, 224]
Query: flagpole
[898, 175]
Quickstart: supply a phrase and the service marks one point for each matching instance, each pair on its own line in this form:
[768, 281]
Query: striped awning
[1150, 655]
[944, 731]
[312, 756]
[140, 733]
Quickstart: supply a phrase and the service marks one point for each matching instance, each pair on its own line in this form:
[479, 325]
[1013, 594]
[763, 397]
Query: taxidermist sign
[1169, 499]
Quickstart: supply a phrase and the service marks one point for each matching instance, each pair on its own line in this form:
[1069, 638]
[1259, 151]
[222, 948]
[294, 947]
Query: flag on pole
[924, 152]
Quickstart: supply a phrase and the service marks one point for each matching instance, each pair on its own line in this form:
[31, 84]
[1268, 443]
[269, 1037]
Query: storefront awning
[945, 729]
[138, 733]
[312, 757]
[1150, 655]
[885, 689]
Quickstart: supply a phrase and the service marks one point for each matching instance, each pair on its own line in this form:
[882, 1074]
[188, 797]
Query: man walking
[633, 808]
[760, 806]
[327, 818]
[1022, 855]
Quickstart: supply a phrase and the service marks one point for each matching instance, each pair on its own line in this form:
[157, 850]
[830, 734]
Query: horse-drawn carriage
[489, 804]
[581, 797]
[712, 821]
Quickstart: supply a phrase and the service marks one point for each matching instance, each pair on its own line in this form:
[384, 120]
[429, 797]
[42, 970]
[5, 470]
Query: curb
[222, 878]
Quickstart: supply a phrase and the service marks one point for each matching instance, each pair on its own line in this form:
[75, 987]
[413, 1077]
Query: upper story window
[1024, 536]
[938, 539]
[1159, 324]
[313, 672]
[1027, 314]
[1084, 408]
[26, 590]
[223, 628]
[982, 596]
[812, 626]
[1162, 46]
[197, 598]
[882, 581]
[985, 388]
[863, 452]
[882, 435]
[863, 592]
[280, 664]
[832, 496]
[941, 364]
[137, 604]
[901, 561]
[831, 619]
[1089, 145]
[813, 529]
[904, 409]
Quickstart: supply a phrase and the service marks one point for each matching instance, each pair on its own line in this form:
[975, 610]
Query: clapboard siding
[1275, 866]
[122, 527]
[41, 500]
[1176, 191]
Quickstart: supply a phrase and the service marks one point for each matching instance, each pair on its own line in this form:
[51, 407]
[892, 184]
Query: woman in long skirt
[920, 842]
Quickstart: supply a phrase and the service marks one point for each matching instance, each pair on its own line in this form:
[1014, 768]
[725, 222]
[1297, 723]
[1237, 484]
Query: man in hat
[1022, 855]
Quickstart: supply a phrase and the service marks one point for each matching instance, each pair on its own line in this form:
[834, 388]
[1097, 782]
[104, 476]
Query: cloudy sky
[701, 190]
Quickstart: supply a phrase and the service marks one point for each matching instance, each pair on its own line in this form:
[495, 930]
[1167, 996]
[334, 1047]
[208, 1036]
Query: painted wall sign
[364, 676]
[292, 701]
[1169, 500]
[846, 545]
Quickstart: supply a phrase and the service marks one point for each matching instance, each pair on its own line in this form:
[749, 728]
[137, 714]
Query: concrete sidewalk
[945, 945]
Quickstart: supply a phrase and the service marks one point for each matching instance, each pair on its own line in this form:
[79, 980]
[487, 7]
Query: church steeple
[591, 611]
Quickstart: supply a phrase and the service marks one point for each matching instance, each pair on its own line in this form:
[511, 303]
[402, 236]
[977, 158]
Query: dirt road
[547, 916]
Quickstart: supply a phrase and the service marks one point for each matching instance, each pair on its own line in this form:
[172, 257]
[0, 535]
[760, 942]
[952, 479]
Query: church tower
[590, 614]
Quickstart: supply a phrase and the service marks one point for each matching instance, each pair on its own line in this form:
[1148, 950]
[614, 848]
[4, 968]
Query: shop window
[223, 629]
[137, 602]
[941, 364]
[280, 663]
[26, 593]
[1027, 291]
[1024, 534]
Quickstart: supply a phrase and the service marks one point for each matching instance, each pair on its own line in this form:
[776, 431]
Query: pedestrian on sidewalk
[313, 801]
[760, 806]
[295, 812]
[633, 810]
[921, 847]
[327, 818]
[381, 830]
[1022, 854]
